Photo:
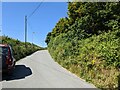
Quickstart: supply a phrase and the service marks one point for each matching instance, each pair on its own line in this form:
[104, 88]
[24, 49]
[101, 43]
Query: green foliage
[87, 19]
[94, 59]
[87, 42]
[18, 47]
[48, 38]
[61, 27]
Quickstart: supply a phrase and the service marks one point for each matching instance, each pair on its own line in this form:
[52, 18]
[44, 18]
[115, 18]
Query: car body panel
[5, 53]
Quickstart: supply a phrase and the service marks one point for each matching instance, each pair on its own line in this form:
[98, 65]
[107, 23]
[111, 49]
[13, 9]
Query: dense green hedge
[87, 42]
[95, 59]
[19, 49]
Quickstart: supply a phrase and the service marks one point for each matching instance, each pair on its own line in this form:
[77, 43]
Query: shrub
[18, 47]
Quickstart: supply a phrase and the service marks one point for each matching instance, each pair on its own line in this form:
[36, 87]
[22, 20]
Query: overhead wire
[30, 15]
[36, 9]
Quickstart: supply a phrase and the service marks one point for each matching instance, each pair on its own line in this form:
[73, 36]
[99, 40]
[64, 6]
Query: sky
[41, 22]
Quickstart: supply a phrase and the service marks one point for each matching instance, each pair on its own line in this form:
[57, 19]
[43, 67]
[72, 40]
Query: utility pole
[32, 39]
[25, 31]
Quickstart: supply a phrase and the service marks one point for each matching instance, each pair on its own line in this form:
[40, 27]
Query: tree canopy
[88, 17]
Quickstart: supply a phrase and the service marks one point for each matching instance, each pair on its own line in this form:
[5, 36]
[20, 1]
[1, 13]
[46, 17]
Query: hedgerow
[19, 49]
[87, 42]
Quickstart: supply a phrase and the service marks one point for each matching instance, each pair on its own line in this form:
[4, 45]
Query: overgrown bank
[94, 59]
[87, 42]
[19, 49]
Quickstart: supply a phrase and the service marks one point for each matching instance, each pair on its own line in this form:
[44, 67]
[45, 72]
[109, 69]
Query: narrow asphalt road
[40, 71]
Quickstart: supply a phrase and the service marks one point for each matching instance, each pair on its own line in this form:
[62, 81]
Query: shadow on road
[20, 72]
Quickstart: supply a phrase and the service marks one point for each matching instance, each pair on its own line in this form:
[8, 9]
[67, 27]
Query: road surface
[40, 71]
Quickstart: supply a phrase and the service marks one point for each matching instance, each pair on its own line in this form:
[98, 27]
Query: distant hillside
[18, 47]
[87, 42]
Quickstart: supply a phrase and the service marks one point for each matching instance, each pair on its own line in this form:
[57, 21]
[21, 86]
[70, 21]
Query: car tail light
[8, 61]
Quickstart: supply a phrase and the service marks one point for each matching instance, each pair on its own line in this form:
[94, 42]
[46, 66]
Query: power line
[26, 21]
[35, 9]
